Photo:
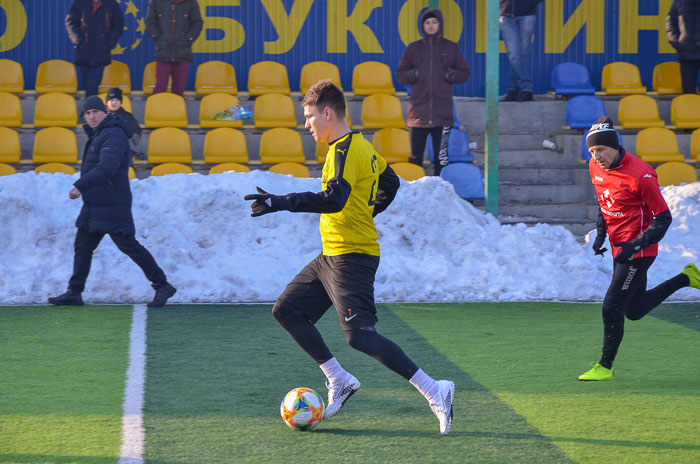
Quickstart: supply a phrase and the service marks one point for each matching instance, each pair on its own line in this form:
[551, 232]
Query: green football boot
[597, 372]
[691, 270]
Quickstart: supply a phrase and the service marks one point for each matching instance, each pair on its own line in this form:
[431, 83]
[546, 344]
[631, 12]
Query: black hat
[114, 92]
[429, 15]
[93, 102]
[602, 132]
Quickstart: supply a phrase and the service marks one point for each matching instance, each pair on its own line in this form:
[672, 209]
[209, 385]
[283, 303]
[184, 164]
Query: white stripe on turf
[133, 433]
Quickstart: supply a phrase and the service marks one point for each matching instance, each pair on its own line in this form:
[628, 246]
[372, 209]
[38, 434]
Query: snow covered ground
[435, 246]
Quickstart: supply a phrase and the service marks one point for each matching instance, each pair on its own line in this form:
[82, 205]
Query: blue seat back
[583, 110]
[585, 154]
[466, 179]
[457, 148]
[571, 79]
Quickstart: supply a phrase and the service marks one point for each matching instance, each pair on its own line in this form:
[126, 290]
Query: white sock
[425, 384]
[334, 372]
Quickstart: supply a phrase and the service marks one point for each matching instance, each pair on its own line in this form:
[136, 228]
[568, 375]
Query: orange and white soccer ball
[302, 409]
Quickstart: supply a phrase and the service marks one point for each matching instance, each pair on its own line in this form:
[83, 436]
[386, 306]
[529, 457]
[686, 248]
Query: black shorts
[346, 281]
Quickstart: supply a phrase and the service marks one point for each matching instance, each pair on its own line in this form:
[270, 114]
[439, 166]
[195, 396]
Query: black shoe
[67, 299]
[524, 96]
[510, 96]
[163, 292]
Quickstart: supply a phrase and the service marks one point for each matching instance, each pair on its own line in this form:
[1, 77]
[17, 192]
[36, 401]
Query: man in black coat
[104, 186]
[683, 32]
[94, 27]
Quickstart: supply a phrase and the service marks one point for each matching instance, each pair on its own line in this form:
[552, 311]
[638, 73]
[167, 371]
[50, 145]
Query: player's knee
[360, 339]
[284, 312]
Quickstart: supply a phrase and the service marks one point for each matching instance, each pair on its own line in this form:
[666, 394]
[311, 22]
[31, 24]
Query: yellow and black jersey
[357, 185]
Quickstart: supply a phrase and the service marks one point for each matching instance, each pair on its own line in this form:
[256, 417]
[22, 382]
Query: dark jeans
[85, 245]
[176, 70]
[689, 75]
[92, 78]
[628, 297]
[440, 137]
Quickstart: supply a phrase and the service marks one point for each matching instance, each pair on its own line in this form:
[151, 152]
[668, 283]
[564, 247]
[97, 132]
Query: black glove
[264, 202]
[627, 251]
[449, 74]
[598, 245]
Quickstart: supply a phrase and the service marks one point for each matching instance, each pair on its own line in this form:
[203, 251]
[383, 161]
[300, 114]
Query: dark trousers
[92, 78]
[85, 245]
[440, 137]
[628, 297]
[689, 75]
[176, 70]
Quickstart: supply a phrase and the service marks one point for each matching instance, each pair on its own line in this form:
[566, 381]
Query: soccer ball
[302, 409]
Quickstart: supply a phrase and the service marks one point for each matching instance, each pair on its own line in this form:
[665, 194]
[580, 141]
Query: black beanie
[93, 102]
[114, 92]
[429, 15]
[602, 132]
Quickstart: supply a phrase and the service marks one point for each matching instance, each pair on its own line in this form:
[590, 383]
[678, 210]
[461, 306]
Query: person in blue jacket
[104, 187]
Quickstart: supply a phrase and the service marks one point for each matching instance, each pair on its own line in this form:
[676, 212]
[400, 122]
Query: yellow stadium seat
[226, 167]
[225, 145]
[658, 145]
[372, 77]
[621, 78]
[10, 149]
[294, 169]
[321, 152]
[117, 74]
[55, 110]
[676, 173]
[7, 170]
[215, 77]
[132, 173]
[279, 145]
[393, 144]
[169, 145]
[53, 168]
[379, 111]
[268, 77]
[126, 102]
[149, 79]
[11, 76]
[638, 112]
[56, 76]
[216, 103]
[10, 110]
[667, 78]
[408, 171]
[695, 145]
[165, 110]
[55, 145]
[685, 111]
[170, 168]
[317, 70]
[274, 110]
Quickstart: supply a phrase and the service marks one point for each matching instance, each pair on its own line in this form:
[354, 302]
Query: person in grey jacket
[173, 25]
[683, 32]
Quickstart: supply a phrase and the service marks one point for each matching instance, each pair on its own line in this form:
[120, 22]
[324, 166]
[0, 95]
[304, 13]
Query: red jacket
[431, 66]
[629, 198]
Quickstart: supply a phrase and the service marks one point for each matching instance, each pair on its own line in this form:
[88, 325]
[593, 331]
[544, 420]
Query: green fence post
[492, 85]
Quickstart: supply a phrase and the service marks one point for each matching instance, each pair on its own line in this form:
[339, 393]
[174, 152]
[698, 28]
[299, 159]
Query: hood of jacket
[438, 15]
[112, 120]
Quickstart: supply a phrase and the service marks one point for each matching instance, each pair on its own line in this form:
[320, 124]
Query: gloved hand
[449, 74]
[627, 251]
[264, 202]
[598, 245]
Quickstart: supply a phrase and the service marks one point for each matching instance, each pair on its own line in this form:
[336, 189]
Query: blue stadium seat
[571, 79]
[466, 179]
[583, 110]
[585, 155]
[457, 147]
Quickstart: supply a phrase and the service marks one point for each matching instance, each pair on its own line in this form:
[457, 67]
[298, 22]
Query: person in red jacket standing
[635, 216]
[431, 66]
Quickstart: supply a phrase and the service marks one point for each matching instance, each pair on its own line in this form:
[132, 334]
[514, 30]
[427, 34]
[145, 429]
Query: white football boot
[442, 407]
[338, 394]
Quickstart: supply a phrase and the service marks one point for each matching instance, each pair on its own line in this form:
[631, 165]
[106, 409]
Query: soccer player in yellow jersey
[358, 184]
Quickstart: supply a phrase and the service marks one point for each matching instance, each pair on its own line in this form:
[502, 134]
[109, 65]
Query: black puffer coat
[94, 35]
[104, 179]
[683, 29]
[174, 25]
[518, 7]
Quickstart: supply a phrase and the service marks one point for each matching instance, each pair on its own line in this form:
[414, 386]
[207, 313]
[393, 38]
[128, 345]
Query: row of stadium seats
[169, 110]
[617, 78]
[657, 145]
[634, 112]
[369, 77]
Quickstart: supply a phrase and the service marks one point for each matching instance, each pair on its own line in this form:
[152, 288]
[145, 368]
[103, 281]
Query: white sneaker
[339, 394]
[442, 408]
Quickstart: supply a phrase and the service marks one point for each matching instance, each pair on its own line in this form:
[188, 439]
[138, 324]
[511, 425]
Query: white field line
[133, 433]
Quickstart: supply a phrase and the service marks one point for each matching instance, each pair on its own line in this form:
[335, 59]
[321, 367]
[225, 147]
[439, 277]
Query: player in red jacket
[635, 216]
